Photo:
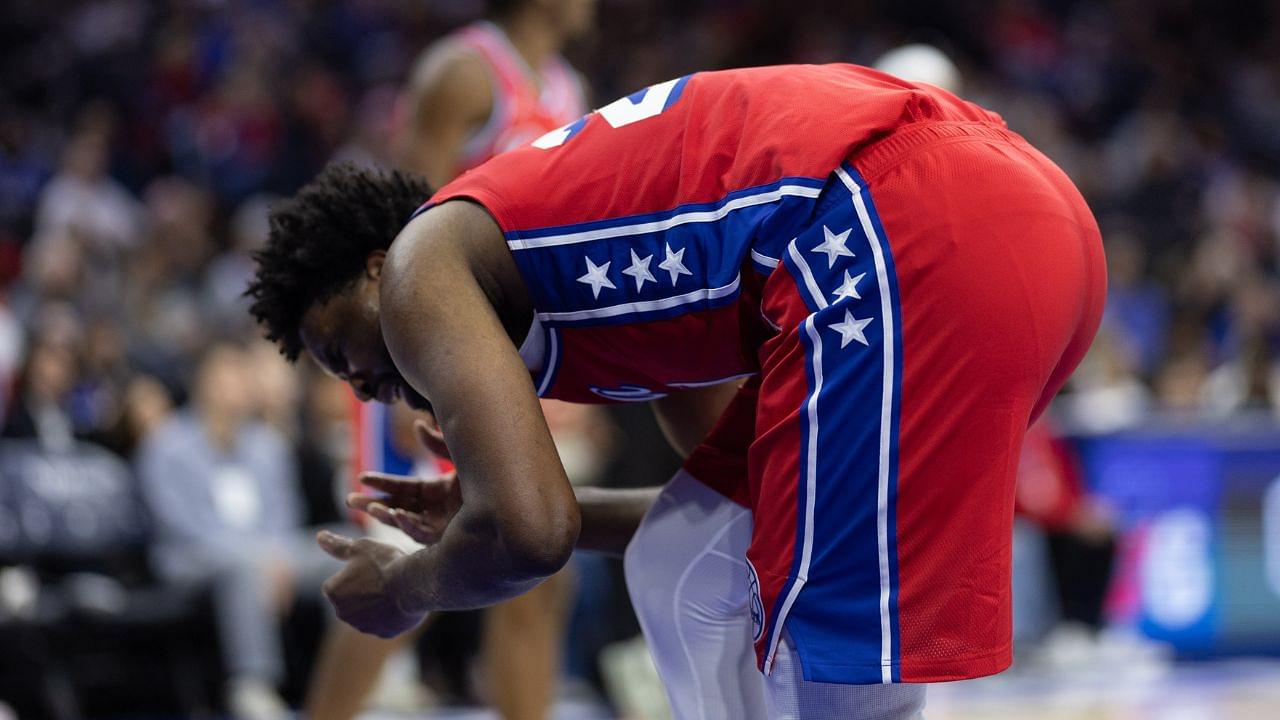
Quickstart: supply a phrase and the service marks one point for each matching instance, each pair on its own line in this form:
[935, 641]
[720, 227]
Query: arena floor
[1223, 690]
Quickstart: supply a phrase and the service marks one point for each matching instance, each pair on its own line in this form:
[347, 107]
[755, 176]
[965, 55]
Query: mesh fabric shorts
[950, 281]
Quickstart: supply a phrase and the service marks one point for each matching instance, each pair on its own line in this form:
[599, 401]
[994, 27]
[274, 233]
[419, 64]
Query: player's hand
[420, 507]
[367, 593]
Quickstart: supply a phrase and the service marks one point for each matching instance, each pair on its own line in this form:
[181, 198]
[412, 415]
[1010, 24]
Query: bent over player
[903, 282]
[481, 90]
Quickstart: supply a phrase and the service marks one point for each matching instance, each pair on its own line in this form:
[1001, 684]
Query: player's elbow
[538, 545]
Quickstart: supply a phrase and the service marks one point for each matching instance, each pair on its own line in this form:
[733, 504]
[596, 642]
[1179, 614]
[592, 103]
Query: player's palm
[368, 592]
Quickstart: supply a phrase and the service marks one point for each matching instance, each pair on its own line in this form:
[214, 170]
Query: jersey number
[635, 107]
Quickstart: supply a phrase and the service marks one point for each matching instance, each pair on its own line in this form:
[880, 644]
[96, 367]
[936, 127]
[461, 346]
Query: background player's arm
[450, 97]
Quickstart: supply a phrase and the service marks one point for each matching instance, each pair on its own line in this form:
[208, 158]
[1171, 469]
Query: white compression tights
[687, 575]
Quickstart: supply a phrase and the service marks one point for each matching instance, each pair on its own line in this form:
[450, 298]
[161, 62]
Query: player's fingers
[382, 514]
[413, 526]
[393, 484]
[362, 501]
[336, 545]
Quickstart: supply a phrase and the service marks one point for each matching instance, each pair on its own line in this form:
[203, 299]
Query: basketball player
[486, 88]
[902, 280]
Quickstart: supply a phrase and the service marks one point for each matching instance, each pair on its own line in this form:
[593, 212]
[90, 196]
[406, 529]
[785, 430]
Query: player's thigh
[687, 576]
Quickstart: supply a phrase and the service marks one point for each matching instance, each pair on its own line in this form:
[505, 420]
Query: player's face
[344, 335]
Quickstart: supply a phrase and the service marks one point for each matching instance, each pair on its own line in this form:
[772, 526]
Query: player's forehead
[319, 332]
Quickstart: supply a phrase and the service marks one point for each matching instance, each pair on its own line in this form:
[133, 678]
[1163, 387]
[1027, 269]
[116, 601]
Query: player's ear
[373, 264]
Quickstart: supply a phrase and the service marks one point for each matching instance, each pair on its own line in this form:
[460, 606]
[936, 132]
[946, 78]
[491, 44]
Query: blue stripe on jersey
[527, 239]
[674, 95]
[647, 267]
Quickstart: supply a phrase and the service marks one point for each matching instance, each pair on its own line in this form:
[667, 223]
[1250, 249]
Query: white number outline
[619, 113]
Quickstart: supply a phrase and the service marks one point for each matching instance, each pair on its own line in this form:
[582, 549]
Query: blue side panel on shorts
[895, 300]
[842, 620]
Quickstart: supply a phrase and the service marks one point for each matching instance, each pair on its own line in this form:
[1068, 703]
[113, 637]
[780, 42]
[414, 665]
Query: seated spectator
[40, 408]
[223, 491]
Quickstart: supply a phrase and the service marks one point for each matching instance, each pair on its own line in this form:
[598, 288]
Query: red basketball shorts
[951, 280]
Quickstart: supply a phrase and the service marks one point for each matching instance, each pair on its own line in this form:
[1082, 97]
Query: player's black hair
[320, 239]
[502, 8]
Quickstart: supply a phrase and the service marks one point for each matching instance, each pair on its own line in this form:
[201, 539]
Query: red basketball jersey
[633, 225]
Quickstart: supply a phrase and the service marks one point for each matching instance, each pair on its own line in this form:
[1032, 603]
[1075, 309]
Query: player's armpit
[518, 520]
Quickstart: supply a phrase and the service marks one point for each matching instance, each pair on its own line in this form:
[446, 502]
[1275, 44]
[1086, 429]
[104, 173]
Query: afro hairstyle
[320, 239]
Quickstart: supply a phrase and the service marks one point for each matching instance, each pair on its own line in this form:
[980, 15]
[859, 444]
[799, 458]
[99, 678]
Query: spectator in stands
[223, 490]
[83, 198]
[40, 409]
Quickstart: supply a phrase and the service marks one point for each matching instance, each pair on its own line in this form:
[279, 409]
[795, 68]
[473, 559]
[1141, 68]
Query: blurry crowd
[142, 142]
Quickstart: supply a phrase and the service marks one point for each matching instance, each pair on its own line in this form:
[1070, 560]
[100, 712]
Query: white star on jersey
[833, 246]
[849, 289]
[639, 270]
[851, 329]
[597, 277]
[674, 264]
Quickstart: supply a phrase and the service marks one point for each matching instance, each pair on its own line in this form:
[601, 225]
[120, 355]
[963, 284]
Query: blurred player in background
[488, 87]
[905, 282]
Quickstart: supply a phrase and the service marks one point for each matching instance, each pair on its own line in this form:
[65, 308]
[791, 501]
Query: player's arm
[687, 417]
[609, 516]
[517, 521]
[449, 99]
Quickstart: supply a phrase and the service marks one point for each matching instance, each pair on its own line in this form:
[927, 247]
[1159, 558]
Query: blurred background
[153, 447]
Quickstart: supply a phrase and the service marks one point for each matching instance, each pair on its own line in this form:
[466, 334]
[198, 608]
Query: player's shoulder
[449, 238]
[451, 70]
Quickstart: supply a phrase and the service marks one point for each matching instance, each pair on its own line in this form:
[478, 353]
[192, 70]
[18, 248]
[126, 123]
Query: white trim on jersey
[709, 383]
[643, 305]
[763, 259]
[553, 359]
[684, 218]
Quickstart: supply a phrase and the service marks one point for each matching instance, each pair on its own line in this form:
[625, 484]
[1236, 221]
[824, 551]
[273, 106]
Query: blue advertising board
[1199, 550]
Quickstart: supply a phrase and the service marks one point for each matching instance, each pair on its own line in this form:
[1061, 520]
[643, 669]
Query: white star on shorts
[833, 245]
[851, 329]
[850, 287]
